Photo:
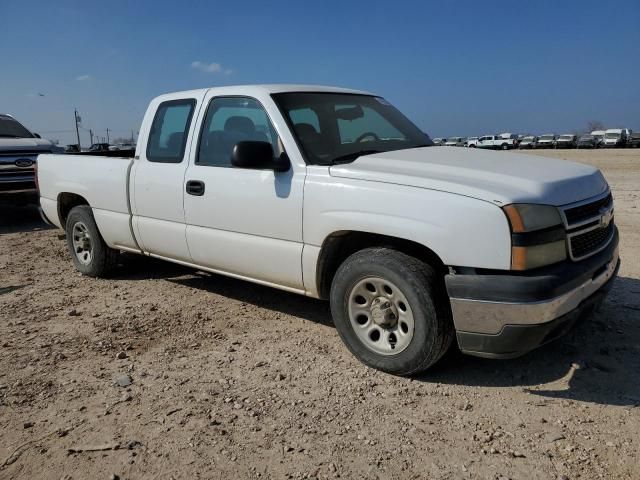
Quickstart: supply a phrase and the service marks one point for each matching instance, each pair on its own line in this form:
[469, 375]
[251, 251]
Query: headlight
[538, 237]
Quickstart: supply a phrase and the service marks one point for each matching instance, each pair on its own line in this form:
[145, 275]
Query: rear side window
[169, 131]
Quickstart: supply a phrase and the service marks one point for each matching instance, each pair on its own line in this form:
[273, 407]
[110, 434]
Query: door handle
[195, 187]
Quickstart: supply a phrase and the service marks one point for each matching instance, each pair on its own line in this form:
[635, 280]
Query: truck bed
[101, 180]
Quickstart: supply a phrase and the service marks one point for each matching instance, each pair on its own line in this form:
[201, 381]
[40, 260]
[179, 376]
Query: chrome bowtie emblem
[605, 217]
[23, 162]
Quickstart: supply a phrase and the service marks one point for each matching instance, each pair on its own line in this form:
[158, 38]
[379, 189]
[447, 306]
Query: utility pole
[77, 118]
[107, 135]
[131, 136]
[91, 135]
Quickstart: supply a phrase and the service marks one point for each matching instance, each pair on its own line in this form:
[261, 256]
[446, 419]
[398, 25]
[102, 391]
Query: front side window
[230, 120]
[169, 131]
[339, 127]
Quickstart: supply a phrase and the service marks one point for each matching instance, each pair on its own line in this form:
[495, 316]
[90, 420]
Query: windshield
[567, 137]
[338, 127]
[546, 137]
[9, 128]
[587, 137]
[527, 139]
[612, 135]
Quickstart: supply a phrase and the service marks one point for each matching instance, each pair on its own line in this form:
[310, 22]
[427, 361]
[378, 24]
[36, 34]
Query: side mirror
[258, 156]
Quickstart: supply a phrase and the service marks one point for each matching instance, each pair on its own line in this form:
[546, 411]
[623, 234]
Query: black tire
[101, 260]
[423, 289]
[505, 146]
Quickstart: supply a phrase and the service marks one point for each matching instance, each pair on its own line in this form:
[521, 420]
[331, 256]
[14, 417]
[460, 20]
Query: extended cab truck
[19, 150]
[334, 194]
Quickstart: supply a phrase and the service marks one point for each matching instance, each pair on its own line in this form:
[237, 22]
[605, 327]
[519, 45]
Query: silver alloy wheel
[381, 316]
[82, 244]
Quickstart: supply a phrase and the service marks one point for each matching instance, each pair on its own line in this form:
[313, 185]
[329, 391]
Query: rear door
[243, 222]
[158, 177]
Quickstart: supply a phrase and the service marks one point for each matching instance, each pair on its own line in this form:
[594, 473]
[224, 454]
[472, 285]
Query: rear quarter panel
[101, 181]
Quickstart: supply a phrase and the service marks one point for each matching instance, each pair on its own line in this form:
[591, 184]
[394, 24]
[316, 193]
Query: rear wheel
[504, 146]
[90, 254]
[391, 311]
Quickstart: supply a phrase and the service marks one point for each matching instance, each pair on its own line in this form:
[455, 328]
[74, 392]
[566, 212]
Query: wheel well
[66, 201]
[340, 245]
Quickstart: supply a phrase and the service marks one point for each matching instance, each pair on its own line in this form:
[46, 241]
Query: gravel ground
[164, 372]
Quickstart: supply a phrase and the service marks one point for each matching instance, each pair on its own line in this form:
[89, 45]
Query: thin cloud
[212, 67]
[82, 78]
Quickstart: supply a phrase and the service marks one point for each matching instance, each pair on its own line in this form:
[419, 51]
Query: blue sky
[454, 67]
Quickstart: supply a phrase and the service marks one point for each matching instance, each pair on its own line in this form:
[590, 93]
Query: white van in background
[615, 137]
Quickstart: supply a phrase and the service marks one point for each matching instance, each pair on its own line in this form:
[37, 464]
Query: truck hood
[25, 144]
[497, 177]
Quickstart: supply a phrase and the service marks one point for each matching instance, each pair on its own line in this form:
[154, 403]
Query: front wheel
[90, 254]
[391, 311]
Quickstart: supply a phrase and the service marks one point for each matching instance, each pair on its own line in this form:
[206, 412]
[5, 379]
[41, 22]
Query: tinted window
[9, 128]
[230, 120]
[169, 131]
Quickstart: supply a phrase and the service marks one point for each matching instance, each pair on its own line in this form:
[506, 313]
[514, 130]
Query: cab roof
[252, 90]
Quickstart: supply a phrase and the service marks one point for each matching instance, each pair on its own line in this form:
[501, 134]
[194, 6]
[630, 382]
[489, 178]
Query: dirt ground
[164, 372]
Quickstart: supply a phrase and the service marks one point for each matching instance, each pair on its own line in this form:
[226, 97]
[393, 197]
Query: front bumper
[505, 316]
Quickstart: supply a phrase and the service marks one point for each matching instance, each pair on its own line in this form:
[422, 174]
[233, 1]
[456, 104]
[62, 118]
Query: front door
[243, 222]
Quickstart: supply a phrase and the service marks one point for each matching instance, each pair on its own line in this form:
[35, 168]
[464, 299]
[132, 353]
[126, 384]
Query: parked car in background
[599, 136]
[496, 142]
[528, 142]
[471, 142]
[615, 137]
[633, 141]
[439, 141]
[568, 140]
[454, 142]
[73, 148]
[99, 147]
[548, 140]
[511, 136]
[19, 150]
[299, 209]
[587, 141]
[122, 146]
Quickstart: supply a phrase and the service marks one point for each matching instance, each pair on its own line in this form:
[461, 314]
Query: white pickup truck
[334, 194]
[496, 142]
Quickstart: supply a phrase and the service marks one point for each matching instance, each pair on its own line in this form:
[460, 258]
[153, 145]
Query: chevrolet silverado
[334, 194]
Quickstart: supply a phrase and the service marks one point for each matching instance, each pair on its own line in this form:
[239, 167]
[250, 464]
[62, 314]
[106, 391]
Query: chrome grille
[590, 226]
[587, 211]
[587, 243]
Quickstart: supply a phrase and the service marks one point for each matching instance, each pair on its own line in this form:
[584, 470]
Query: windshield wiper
[352, 156]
